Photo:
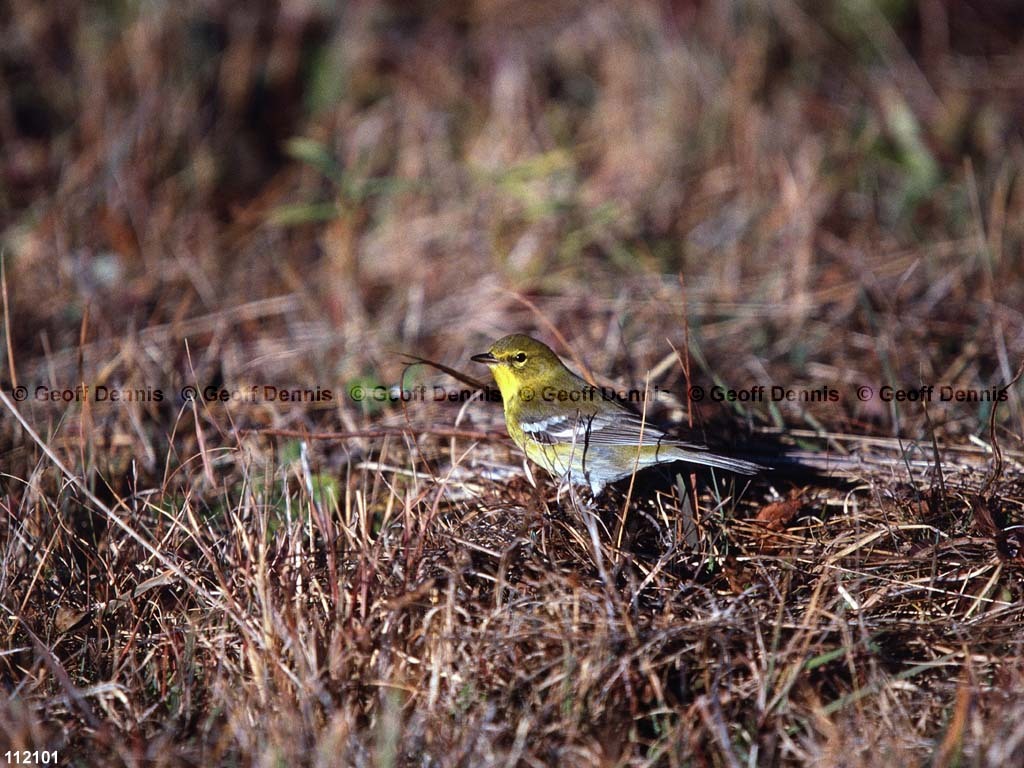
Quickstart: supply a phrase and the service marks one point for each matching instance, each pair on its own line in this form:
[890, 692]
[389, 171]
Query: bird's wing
[620, 428]
[551, 430]
[609, 427]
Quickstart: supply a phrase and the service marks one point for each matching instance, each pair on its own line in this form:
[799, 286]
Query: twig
[7, 319]
[997, 471]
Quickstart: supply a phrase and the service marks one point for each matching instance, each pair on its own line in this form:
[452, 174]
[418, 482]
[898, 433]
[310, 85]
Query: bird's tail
[696, 455]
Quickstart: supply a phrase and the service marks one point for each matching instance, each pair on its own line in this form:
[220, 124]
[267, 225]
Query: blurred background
[827, 192]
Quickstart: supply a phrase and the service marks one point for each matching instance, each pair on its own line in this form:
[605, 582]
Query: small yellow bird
[574, 430]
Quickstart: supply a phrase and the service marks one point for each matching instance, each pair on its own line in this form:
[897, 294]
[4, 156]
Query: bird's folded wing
[551, 430]
[618, 428]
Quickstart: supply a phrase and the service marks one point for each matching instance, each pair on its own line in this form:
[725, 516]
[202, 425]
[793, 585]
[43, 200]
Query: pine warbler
[573, 429]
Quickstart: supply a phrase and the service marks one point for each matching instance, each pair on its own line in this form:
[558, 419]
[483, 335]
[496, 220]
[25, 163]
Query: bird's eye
[519, 357]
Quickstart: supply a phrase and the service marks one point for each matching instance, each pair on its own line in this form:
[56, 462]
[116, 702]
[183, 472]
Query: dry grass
[786, 193]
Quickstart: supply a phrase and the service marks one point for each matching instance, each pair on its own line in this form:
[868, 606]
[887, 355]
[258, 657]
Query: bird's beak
[485, 357]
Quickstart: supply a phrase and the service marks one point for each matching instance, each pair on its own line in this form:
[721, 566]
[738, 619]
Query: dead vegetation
[673, 195]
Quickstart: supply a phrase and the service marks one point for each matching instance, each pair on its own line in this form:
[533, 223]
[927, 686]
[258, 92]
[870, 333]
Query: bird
[576, 431]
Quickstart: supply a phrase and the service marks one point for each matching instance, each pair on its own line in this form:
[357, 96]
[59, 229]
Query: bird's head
[518, 361]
